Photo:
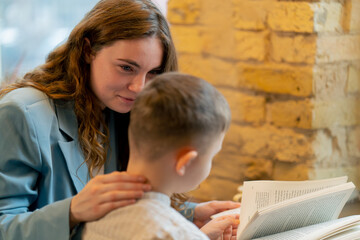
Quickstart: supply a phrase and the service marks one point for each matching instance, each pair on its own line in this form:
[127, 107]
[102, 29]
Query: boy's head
[179, 116]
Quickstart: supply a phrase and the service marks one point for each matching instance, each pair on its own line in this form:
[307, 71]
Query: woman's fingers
[119, 186]
[97, 206]
[119, 177]
[117, 181]
[105, 193]
[116, 196]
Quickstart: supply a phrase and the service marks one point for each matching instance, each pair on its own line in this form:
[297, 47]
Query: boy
[177, 125]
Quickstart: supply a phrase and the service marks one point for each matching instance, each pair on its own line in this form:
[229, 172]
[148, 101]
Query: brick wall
[291, 73]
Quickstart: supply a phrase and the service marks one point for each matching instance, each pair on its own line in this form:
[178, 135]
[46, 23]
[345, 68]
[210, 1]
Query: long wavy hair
[65, 75]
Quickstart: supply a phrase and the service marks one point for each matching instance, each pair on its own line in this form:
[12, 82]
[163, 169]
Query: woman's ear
[87, 51]
[184, 159]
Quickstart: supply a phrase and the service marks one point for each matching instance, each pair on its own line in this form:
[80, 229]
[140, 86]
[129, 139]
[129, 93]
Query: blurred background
[30, 29]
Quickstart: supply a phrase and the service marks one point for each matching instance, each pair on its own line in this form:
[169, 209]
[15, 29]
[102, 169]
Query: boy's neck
[155, 172]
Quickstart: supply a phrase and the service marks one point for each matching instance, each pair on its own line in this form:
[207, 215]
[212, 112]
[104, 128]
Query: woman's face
[119, 72]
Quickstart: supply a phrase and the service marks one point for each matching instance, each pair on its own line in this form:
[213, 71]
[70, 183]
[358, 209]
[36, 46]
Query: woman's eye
[126, 68]
[155, 72]
[152, 74]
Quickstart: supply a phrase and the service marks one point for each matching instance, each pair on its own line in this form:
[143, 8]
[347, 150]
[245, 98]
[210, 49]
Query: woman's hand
[104, 193]
[222, 228]
[203, 211]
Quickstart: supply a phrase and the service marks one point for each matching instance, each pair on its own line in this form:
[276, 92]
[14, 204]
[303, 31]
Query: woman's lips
[127, 100]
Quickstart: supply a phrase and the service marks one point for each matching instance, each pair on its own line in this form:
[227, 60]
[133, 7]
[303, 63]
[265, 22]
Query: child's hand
[222, 228]
[204, 211]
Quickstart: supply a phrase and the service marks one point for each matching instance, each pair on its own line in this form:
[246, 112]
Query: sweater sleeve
[188, 211]
[49, 222]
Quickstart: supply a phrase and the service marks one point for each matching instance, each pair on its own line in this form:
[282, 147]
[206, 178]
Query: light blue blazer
[41, 166]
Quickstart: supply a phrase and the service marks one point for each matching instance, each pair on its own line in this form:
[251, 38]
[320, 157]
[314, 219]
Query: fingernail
[139, 194]
[146, 187]
[141, 178]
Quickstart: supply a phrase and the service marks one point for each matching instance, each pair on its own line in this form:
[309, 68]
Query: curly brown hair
[65, 75]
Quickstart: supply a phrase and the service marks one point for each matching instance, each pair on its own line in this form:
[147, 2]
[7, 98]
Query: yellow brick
[291, 17]
[250, 46]
[214, 70]
[257, 168]
[216, 13]
[315, 114]
[343, 48]
[296, 114]
[268, 142]
[305, 17]
[219, 42]
[229, 166]
[214, 188]
[187, 39]
[277, 78]
[238, 169]
[353, 81]
[290, 172]
[184, 11]
[293, 48]
[240, 45]
[250, 15]
[244, 107]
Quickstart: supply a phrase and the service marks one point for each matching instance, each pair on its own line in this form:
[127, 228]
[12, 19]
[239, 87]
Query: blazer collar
[71, 150]
[67, 118]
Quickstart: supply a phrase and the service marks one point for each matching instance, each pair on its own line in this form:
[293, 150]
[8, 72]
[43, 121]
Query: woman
[58, 131]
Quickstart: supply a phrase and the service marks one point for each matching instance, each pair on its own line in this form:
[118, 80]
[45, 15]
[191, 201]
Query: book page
[320, 206]
[260, 194]
[351, 233]
[343, 228]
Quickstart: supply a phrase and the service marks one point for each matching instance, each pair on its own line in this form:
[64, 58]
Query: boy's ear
[87, 51]
[184, 159]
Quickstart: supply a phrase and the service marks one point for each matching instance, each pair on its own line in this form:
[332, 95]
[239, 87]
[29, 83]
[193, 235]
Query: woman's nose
[138, 83]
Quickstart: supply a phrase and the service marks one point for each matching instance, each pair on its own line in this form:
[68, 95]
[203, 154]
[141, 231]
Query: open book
[346, 228]
[271, 207]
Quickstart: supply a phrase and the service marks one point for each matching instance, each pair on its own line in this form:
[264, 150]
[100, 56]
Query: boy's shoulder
[145, 218]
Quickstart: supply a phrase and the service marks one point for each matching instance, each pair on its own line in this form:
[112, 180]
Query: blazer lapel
[75, 163]
[70, 148]
[67, 118]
